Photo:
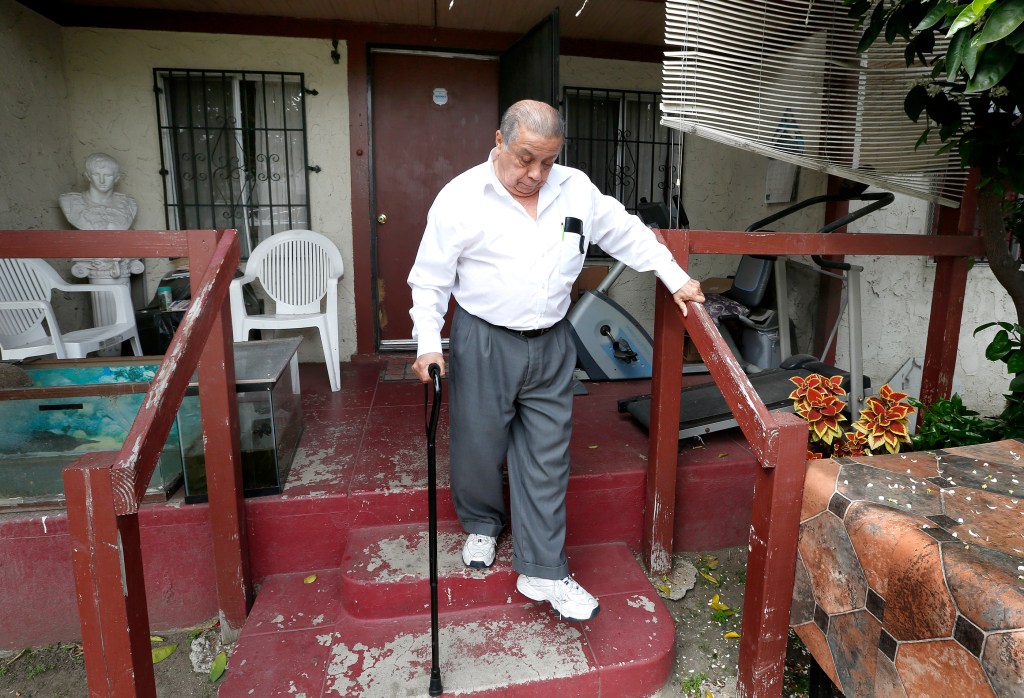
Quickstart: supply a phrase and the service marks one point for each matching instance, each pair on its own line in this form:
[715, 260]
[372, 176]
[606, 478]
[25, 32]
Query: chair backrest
[752, 280]
[24, 280]
[293, 267]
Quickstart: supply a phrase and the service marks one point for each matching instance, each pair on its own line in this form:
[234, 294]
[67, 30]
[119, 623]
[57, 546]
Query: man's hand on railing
[690, 291]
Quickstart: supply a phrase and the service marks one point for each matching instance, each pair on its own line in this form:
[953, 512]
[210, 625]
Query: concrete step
[386, 572]
[305, 639]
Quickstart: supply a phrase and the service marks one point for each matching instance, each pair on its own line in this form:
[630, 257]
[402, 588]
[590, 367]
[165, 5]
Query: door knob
[382, 218]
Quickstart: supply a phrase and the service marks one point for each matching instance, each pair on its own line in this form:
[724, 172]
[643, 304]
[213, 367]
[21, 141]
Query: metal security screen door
[615, 136]
[233, 149]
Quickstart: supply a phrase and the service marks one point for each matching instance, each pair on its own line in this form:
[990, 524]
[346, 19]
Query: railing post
[218, 404]
[107, 562]
[771, 561]
[947, 310]
[663, 448]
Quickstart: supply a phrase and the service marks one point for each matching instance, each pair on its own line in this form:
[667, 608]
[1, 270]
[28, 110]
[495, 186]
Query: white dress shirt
[508, 269]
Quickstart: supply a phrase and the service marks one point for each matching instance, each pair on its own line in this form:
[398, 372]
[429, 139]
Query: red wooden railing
[777, 439]
[103, 489]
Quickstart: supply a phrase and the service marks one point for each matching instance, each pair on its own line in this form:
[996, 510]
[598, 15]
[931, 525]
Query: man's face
[103, 176]
[524, 166]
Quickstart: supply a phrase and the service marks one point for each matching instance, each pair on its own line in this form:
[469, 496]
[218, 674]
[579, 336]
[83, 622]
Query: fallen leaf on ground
[220, 663]
[731, 635]
[162, 653]
[155, 638]
[709, 577]
[310, 579]
[717, 604]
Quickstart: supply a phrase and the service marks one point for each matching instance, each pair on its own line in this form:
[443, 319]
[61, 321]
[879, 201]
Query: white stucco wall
[34, 119]
[896, 293]
[35, 136]
[110, 96]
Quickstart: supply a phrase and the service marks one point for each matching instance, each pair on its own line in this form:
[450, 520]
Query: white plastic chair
[297, 269]
[28, 325]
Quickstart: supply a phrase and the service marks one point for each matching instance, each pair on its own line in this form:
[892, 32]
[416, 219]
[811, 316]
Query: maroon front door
[433, 117]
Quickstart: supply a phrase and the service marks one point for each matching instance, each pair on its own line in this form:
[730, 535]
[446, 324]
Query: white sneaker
[478, 551]
[572, 601]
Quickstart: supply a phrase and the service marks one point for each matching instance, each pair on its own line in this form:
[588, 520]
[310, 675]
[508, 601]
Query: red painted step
[301, 639]
[385, 572]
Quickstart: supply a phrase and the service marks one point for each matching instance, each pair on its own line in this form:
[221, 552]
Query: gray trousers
[512, 397]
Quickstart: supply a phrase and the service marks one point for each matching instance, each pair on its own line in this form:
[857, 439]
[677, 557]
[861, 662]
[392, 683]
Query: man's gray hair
[535, 117]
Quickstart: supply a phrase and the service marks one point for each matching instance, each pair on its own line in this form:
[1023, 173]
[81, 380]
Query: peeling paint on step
[476, 656]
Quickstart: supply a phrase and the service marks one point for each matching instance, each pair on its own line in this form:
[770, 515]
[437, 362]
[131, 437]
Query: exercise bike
[703, 409]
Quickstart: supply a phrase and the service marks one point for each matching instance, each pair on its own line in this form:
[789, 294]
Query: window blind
[783, 78]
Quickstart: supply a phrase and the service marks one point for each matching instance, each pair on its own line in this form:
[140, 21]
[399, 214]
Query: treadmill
[702, 408]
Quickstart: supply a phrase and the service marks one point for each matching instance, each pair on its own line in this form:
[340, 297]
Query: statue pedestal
[106, 271]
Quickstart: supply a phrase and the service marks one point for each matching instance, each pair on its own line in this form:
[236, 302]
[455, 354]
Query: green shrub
[947, 422]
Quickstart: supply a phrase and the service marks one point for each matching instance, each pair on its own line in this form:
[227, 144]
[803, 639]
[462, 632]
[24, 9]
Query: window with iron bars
[616, 137]
[233, 151]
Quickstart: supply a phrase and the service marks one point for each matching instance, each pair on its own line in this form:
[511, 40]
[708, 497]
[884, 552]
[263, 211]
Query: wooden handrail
[777, 439]
[752, 415]
[102, 490]
[160, 407]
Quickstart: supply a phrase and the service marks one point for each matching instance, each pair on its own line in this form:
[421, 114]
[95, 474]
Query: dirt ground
[705, 662]
[58, 671]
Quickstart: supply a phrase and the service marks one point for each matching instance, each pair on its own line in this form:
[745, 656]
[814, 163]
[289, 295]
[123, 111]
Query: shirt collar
[551, 186]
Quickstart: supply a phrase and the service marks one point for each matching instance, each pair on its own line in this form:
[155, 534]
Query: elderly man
[508, 238]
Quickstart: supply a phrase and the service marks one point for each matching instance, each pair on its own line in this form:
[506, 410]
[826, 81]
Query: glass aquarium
[79, 406]
[269, 419]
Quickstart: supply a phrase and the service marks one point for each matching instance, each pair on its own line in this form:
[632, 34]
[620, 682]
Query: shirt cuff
[673, 277]
[428, 345]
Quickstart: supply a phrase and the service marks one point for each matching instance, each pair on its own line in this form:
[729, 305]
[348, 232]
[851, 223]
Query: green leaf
[892, 27]
[1015, 361]
[999, 347]
[955, 53]
[934, 15]
[220, 664]
[971, 54]
[980, 6]
[873, 30]
[922, 139]
[946, 148]
[1003, 21]
[162, 653]
[915, 102]
[1016, 41]
[966, 18]
[858, 8]
[995, 64]
[1005, 325]
[1017, 384]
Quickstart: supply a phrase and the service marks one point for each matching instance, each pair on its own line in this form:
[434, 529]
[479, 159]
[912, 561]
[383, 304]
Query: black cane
[435, 409]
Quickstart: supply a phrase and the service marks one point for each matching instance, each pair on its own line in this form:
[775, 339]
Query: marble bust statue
[100, 208]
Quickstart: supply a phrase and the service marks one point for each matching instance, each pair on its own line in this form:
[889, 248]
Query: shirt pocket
[571, 256]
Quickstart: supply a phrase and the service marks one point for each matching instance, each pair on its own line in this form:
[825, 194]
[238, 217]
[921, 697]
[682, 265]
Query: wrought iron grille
[233, 151]
[615, 136]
